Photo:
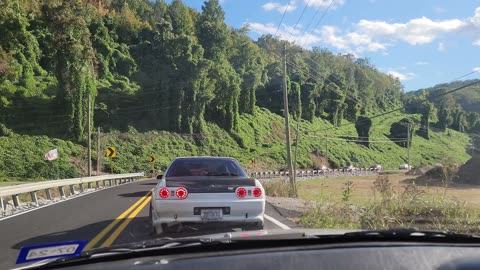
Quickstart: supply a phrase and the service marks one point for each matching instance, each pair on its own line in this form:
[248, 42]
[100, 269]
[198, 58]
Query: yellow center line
[122, 227]
[99, 236]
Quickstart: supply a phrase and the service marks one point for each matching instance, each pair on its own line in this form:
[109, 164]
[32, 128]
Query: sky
[422, 42]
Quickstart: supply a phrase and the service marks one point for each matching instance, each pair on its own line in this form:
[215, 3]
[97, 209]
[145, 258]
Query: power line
[299, 19]
[319, 21]
[474, 71]
[283, 17]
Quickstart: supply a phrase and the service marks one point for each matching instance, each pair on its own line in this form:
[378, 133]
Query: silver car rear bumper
[242, 211]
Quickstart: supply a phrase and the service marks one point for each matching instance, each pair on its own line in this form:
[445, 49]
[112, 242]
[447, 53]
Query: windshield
[205, 166]
[130, 120]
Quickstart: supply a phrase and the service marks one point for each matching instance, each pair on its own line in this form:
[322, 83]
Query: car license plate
[211, 214]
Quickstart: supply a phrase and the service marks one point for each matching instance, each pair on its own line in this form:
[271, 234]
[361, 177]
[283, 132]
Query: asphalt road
[101, 217]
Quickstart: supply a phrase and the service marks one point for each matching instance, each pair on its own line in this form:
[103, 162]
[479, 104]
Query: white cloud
[421, 63]
[376, 35]
[291, 6]
[476, 69]
[415, 32]
[441, 47]
[286, 33]
[324, 3]
[401, 76]
[361, 42]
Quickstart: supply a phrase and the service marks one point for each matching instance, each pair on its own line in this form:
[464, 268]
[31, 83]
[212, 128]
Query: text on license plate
[211, 214]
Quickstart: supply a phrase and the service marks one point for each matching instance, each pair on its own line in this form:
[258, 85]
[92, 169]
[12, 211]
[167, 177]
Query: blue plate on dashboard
[49, 251]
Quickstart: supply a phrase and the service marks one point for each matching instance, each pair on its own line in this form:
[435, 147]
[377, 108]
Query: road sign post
[151, 159]
[111, 152]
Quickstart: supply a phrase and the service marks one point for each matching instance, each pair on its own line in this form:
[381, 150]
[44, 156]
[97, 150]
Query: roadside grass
[13, 183]
[388, 206]
[277, 188]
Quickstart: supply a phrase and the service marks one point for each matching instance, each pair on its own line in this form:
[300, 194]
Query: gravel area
[291, 208]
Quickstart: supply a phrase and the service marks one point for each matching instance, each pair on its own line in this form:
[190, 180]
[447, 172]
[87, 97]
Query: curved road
[112, 216]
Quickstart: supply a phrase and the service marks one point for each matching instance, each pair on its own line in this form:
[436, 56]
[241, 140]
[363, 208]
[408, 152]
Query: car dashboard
[356, 256]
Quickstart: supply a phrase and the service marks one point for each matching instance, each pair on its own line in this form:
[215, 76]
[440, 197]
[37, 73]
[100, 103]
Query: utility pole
[408, 145]
[295, 158]
[326, 150]
[98, 150]
[89, 135]
[287, 123]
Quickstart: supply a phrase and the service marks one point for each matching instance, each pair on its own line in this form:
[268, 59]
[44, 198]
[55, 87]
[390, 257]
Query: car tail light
[181, 193]
[241, 192]
[257, 192]
[164, 193]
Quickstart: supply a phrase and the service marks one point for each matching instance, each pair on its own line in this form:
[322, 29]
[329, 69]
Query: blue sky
[423, 42]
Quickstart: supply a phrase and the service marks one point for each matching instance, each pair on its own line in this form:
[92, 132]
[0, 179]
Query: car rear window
[205, 167]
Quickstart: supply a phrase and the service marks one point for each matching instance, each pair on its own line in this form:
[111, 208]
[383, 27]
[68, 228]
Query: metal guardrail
[317, 173]
[47, 186]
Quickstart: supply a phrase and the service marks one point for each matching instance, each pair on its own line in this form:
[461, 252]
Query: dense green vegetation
[167, 80]
[260, 137]
[459, 110]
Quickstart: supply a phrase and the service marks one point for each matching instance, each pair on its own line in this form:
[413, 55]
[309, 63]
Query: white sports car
[207, 190]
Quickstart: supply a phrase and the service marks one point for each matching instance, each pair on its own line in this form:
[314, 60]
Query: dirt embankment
[469, 173]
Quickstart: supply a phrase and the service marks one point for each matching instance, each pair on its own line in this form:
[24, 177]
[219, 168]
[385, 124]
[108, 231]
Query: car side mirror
[159, 176]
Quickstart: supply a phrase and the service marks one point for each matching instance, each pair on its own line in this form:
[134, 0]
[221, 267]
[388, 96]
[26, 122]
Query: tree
[399, 132]
[245, 57]
[182, 22]
[295, 100]
[212, 31]
[363, 125]
[74, 65]
[308, 92]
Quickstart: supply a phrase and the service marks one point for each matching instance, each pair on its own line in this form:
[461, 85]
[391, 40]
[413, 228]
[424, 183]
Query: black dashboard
[355, 256]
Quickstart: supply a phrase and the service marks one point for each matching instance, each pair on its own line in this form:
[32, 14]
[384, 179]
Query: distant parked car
[405, 167]
[376, 167]
[350, 168]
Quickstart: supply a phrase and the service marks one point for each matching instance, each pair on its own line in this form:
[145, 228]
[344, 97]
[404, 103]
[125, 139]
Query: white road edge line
[276, 222]
[63, 200]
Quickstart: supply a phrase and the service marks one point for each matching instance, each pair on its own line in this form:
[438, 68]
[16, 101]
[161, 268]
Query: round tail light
[241, 192]
[164, 193]
[181, 193]
[257, 192]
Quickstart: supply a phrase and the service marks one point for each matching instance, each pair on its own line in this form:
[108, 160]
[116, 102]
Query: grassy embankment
[385, 202]
[260, 137]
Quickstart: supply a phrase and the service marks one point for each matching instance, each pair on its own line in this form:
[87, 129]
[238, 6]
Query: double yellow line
[132, 210]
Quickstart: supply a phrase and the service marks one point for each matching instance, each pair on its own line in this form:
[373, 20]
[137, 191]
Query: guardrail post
[33, 194]
[16, 200]
[110, 182]
[98, 184]
[89, 185]
[72, 190]
[62, 192]
[2, 206]
[104, 183]
[48, 193]
[82, 189]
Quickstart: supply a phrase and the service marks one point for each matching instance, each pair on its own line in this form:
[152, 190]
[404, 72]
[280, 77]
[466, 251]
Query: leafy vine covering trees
[159, 65]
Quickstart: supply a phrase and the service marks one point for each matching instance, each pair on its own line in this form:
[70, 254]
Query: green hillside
[260, 138]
